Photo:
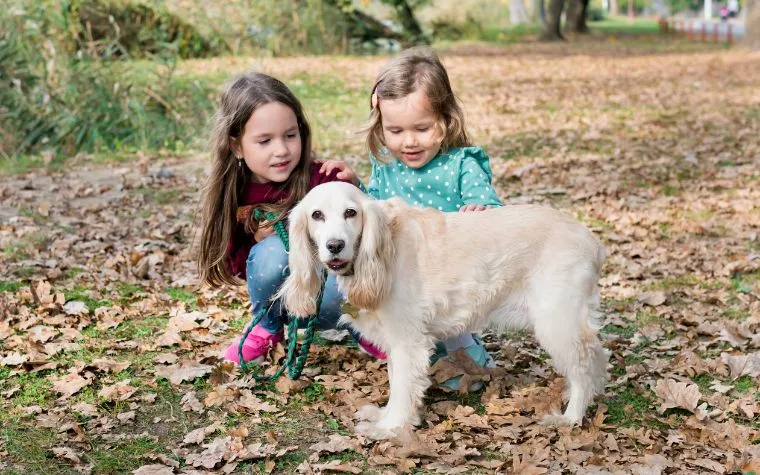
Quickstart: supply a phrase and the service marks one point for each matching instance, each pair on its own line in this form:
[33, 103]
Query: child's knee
[267, 263]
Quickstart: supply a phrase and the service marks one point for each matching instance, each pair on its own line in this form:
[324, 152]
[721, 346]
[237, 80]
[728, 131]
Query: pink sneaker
[256, 346]
[372, 350]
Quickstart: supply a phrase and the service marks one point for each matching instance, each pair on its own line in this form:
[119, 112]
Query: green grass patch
[15, 165]
[83, 294]
[122, 456]
[35, 389]
[523, 145]
[669, 189]
[735, 313]
[639, 26]
[28, 448]
[142, 328]
[16, 250]
[334, 108]
[183, 295]
[627, 408]
[625, 332]
[159, 196]
[743, 283]
[313, 393]
[704, 381]
[127, 291]
[744, 385]
[510, 35]
[10, 286]
[684, 281]
[470, 399]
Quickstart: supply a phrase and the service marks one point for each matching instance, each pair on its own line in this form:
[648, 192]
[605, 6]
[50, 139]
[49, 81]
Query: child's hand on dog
[473, 207]
[345, 173]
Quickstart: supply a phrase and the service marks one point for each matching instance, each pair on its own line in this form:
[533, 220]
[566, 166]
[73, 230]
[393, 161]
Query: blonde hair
[412, 70]
[221, 198]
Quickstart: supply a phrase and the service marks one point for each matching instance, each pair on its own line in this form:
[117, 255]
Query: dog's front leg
[408, 377]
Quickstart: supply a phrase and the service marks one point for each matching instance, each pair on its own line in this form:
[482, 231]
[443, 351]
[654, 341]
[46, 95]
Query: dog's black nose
[335, 245]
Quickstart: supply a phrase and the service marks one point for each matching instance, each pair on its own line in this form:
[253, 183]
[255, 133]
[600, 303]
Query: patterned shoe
[477, 352]
[255, 347]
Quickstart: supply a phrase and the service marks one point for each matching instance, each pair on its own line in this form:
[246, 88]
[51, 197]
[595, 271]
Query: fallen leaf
[741, 365]
[120, 391]
[75, 307]
[14, 359]
[186, 371]
[213, 454]
[653, 299]
[153, 469]
[336, 443]
[337, 466]
[677, 394]
[67, 453]
[108, 366]
[69, 384]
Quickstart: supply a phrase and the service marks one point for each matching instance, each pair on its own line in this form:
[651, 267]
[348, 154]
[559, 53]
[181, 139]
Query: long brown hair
[240, 99]
[412, 70]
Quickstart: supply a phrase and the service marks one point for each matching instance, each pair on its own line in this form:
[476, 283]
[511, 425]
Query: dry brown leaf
[153, 469]
[653, 299]
[741, 365]
[197, 436]
[67, 453]
[69, 384]
[108, 366]
[677, 394]
[120, 391]
[185, 371]
[338, 467]
[336, 443]
[212, 456]
[14, 359]
[190, 402]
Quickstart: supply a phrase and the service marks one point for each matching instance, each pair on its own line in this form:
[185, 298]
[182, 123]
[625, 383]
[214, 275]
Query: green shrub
[116, 28]
[449, 29]
[54, 97]
[595, 14]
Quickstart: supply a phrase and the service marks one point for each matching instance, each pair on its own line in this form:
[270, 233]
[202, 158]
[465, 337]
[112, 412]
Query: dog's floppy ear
[300, 289]
[371, 283]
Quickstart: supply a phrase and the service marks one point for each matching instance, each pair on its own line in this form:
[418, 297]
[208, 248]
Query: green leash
[295, 360]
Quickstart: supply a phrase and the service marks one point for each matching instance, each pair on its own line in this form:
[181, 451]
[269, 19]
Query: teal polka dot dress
[457, 177]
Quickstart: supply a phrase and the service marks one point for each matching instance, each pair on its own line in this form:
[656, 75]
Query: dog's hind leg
[563, 329]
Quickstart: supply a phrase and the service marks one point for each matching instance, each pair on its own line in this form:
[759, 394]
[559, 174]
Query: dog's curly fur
[421, 276]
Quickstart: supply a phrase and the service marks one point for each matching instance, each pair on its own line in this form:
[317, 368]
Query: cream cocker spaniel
[420, 275]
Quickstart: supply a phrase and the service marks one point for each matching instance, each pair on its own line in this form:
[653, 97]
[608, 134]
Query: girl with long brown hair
[262, 155]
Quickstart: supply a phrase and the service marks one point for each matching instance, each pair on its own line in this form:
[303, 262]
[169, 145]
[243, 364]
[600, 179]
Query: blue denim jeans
[266, 270]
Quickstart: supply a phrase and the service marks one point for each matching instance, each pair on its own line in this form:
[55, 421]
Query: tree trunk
[551, 30]
[517, 13]
[752, 24]
[576, 16]
[409, 23]
[539, 12]
[614, 10]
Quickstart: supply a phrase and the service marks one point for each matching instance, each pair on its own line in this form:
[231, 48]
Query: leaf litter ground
[109, 351]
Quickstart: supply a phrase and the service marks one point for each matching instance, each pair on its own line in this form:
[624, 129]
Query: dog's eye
[317, 215]
[349, 213]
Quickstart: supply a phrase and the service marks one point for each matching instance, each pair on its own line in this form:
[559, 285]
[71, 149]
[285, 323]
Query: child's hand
[345, 172]
[468, 208]
[262, 233]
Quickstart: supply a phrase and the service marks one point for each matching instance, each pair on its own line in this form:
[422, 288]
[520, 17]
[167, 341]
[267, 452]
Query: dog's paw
[560, 420]
[372, 430]
[370, 413]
